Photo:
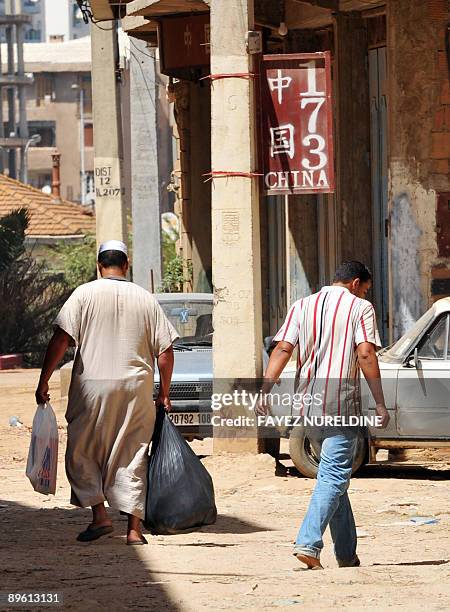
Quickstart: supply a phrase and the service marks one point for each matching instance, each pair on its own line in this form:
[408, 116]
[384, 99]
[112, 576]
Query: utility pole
[236, 258]
[108, 158]
[82, 165]
[23, 124]
[145, 177]
[79, 87]
[15, 83]
[2, 129]
[10, 93]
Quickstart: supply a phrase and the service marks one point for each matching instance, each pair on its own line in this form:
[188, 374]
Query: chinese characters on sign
[296, 124]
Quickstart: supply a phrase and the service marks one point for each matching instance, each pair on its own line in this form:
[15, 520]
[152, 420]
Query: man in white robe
[119, 329]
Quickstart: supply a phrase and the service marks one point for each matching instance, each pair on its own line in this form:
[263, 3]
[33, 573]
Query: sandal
[93, 533]
[140, 542]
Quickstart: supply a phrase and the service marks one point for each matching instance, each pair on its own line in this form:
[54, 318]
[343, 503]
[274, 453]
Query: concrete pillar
[236, 261]
[23, 124]
[145, 179]
[109, 201]
[2, 125]
[10, 92]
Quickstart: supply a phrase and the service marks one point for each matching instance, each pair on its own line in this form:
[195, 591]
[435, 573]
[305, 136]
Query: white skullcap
[113, 245]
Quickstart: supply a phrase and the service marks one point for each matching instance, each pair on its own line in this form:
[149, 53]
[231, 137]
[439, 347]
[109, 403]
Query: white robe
[119, 329]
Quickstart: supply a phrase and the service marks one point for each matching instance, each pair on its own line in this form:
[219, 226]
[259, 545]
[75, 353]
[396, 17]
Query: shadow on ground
[404, 471]
[40, 554]
[231, 524]
[413, 563]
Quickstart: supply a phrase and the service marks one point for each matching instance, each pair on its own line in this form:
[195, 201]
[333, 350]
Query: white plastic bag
[43, 454]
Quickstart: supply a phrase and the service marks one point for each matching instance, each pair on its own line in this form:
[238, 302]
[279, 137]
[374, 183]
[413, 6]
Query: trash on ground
[423, 520]
[286, 602]
[14, 421]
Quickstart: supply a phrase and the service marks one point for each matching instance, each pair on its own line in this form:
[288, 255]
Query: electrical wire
[88, 16]
[133, 44]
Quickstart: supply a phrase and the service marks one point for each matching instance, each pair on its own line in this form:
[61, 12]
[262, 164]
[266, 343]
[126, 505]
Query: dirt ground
[244, 561]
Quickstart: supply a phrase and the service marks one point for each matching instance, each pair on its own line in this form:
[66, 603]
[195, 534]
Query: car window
[402, 347]
[191, 319]
[435, 343]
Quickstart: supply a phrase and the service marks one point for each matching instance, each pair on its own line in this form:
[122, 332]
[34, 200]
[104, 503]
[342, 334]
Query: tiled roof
[47, 217]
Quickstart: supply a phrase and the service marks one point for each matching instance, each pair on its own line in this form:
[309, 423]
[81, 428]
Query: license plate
[190, 418]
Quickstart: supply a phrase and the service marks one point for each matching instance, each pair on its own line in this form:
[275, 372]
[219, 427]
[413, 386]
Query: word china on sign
[296, 124]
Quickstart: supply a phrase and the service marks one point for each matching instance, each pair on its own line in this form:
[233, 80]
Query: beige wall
[419, 95]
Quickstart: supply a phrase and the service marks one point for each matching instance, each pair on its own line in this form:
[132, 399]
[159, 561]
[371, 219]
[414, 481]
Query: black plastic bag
[180, 493]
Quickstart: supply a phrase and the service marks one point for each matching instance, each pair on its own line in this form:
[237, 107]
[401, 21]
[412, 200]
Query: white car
[416, 382]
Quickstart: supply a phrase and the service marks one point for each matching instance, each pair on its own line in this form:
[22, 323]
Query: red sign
[184, 42]
[297, 128]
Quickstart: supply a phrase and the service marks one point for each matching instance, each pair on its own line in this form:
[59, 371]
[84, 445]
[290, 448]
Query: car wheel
[306, 459]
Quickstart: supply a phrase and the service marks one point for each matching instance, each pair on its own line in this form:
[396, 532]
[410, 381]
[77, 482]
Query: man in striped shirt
[336, 335]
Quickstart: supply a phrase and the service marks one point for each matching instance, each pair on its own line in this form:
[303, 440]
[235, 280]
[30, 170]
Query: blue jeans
[329, 503]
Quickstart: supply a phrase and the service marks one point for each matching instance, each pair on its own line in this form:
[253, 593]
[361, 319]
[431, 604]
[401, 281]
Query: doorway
[379, 172]
[276, 213]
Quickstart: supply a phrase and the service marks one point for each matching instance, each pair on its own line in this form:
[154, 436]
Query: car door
[423, 391]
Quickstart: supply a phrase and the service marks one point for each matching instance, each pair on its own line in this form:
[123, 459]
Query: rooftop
[68, 56]
[73, 55]
[49, 219]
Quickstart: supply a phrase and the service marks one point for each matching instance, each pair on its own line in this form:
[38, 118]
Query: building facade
[57, 20]
[61, 84]
[390, 69]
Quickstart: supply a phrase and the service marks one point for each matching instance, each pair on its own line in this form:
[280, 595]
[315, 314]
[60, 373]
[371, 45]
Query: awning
[139, 27]
[160, 8]
[106, 10]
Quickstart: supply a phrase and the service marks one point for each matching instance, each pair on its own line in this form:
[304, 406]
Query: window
[192, 320]
[45, 88]
[435, 344]
[46, 130]
[77, 15]
[33, 35]
[40, 180]
[88, 135]
[90, 187]
[87, 90]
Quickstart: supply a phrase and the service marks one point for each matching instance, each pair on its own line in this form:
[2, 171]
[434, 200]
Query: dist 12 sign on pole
[297, 124]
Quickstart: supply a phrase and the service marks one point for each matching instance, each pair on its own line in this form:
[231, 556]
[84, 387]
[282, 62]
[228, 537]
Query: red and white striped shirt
[327, 327]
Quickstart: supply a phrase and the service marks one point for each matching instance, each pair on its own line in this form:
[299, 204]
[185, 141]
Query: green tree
[30, 296]
[12, 236]
[176, 273]
[78, 261]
